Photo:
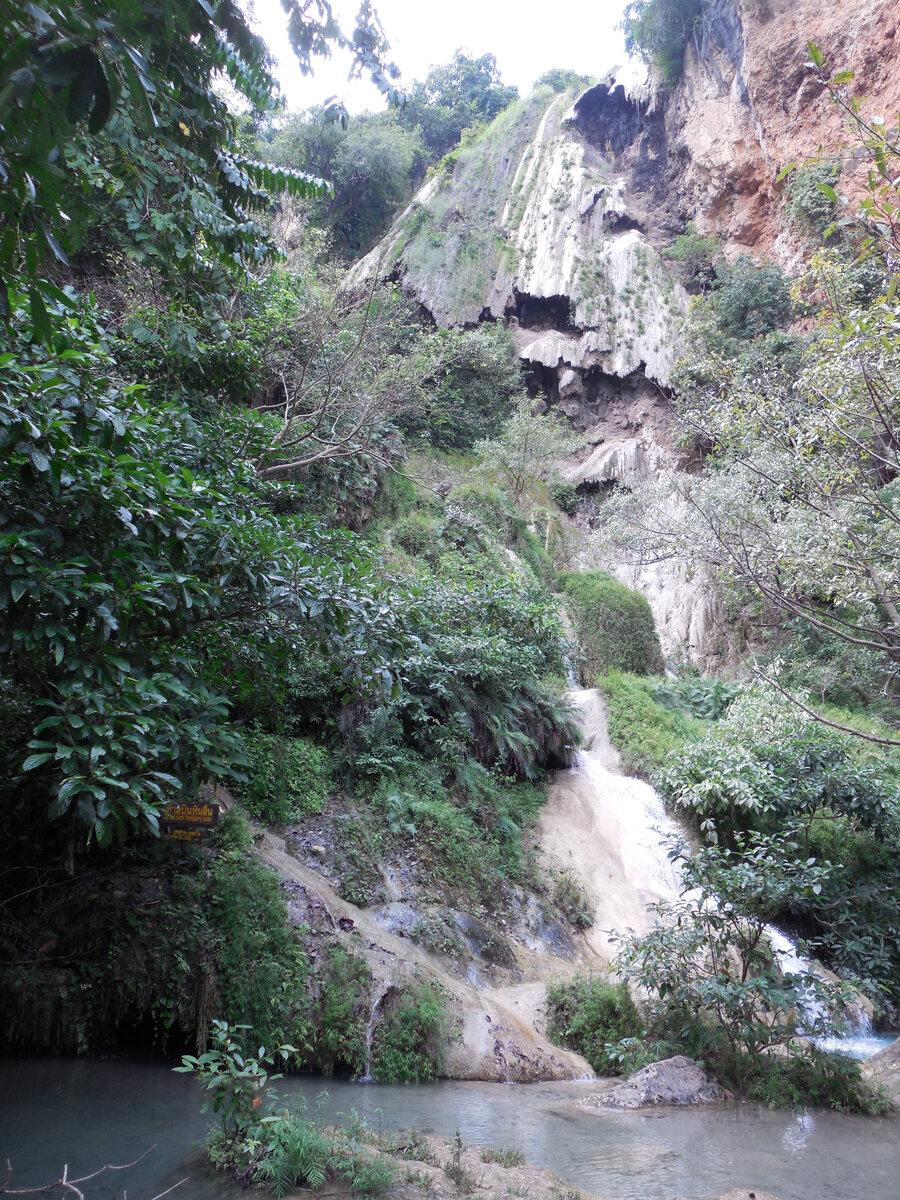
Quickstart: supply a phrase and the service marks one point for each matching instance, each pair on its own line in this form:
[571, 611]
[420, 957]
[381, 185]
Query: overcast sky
[526, 38]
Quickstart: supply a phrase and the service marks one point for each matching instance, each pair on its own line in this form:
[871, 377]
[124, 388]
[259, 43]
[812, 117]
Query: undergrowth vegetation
[592, 1015]
[614, 624]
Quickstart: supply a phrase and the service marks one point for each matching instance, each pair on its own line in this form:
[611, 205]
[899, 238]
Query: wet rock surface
[672, 1081]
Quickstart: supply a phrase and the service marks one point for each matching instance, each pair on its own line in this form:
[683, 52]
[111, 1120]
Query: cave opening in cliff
[541, 313]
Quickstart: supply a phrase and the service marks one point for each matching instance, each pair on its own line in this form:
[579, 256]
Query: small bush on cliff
[614, 626]
[287, 777]
[658, 31]
[589, 1015]
[408, 1042]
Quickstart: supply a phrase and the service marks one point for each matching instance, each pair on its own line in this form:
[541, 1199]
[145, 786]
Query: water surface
[86, 1112]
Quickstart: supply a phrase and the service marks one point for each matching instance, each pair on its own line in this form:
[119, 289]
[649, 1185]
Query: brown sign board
[187, 821]
[185, 835]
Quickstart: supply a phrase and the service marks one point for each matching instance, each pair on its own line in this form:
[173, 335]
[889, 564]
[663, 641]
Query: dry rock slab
[672, 1081]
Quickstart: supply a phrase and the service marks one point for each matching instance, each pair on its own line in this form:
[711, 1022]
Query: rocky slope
[494, 969]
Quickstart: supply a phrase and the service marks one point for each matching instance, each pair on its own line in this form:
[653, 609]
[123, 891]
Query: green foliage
[408, 1041]
[262, 969]
[614, 626]
[528, 444]
[700, 259]
[282, 1150]
[751, 300]
[810, 208]
[658, 30]
[506, 1158]
[707, 953]
[464, 827]
[703, 696]
[466, 382]
[237, 1080]
[286, 777]
[644, 731]
[453, 97]
[813, 1078]
[342, 1009]
[415, 534]
[587, 1014]
[122, 102]
[567, 893]
[766, 764]
[370, 162]
[157, 938]
[565, 496]
[299, 1153]
[563, 80]
[140, 573]
[766, 767]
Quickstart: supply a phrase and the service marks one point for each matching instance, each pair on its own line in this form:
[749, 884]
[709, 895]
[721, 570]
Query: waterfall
[370, 1033]
[614, 832]
[611, 831]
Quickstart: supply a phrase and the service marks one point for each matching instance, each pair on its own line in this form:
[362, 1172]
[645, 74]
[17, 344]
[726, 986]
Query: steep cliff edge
[529, 223]
[748, 104]
[553, 217]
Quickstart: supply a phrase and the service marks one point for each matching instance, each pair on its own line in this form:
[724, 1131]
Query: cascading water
[611, 831]
[370, 1033]
[615, 833]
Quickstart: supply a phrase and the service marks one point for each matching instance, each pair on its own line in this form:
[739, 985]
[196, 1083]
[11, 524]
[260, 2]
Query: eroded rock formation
[554, 219]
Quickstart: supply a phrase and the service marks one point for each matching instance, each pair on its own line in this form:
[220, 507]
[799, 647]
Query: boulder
[672, 1081]
[883, 1069]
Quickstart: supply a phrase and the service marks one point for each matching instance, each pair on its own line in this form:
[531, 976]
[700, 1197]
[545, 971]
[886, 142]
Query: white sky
[526, 38]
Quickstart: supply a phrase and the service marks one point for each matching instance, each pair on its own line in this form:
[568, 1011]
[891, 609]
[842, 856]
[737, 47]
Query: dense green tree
[370, 163]
[658, 30]
[707, 962]
[454, 96]
[114, 107]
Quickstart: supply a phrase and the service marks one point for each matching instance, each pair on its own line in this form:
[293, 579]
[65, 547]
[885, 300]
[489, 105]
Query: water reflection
[88, 1113]
[796, 1136]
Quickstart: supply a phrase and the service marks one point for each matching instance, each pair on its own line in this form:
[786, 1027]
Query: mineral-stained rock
[883, 1069]
[672, 1081]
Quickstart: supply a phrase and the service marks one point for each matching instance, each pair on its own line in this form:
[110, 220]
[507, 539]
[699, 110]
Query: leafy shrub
[299, 1153]
[262, 969]
[643, 731]
[341, 1008]
[814, 1077]
[287, 777]
[809, 209]
[707, 698]
[658, 30]
[565, 496]
[416, 535]
[750, 299]
[567, 893]
[588, 1014]
[699, 256]
[408, 1042]
[767, 767]
[614, 625]
[490, 504]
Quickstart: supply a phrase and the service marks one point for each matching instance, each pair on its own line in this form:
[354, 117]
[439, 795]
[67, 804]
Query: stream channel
[88, 1112]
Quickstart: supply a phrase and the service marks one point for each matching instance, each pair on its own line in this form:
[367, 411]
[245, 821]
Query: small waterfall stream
[370, 1033]
[621, 851]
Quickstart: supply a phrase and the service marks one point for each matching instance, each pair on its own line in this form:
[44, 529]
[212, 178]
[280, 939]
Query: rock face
[554, 218]
[883, 1069]
[673, 1081]
[531, 223]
